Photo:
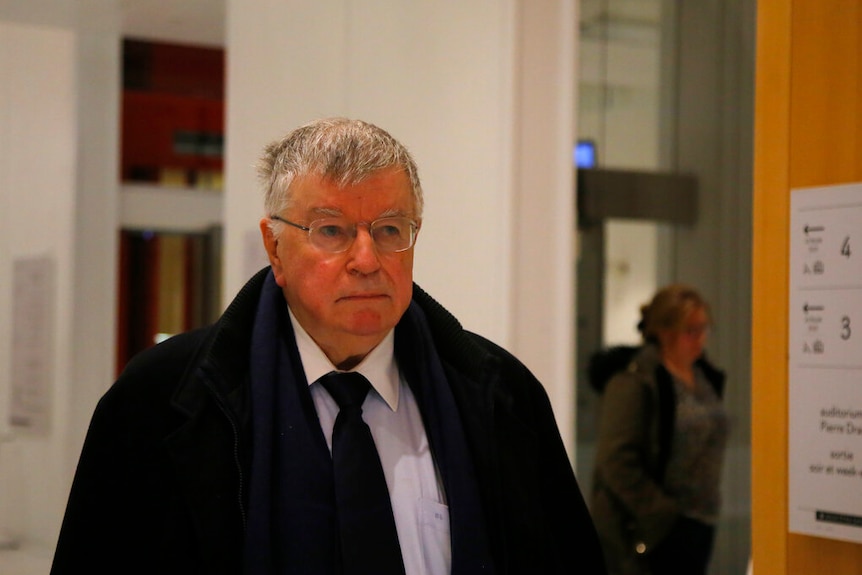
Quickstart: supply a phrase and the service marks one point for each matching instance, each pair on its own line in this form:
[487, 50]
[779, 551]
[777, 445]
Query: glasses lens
[331, 235]
[392, 234]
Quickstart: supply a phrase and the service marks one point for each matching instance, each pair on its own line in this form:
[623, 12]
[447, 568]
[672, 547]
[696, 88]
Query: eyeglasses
[336, 235]
[696, 331]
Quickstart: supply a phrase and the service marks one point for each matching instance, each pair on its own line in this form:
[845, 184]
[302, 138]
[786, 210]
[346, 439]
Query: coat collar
[224, 355]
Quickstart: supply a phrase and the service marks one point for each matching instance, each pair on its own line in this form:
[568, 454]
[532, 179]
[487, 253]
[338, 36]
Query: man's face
[346, 301]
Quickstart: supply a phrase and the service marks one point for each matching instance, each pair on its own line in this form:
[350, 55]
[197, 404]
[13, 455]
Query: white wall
[435, 75]
[543, 241]
[482, 93]
[37, 211]
[59, 61]
[95, 240]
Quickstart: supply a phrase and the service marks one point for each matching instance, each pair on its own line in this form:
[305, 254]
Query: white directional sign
[825, 362]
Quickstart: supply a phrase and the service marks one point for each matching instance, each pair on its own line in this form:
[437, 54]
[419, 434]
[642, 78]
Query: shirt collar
[378, 367]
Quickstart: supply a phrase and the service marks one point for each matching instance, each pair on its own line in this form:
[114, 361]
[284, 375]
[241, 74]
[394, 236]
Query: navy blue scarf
[291, 522]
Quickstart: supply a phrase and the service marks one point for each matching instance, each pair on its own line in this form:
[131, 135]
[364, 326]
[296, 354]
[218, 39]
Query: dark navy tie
[369, 541]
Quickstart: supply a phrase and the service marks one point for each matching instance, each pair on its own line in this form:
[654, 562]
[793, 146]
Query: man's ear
[270, 244]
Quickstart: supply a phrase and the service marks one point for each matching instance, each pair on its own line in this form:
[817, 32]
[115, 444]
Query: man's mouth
[363, 296]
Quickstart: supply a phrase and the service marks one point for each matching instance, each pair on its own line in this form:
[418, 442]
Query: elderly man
[336, 419]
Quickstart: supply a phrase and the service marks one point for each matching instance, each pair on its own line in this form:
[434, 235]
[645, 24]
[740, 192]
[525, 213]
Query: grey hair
[338, 149]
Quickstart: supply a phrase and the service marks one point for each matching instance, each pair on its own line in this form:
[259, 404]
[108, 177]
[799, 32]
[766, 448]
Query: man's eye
[389, 231]
[331, 231]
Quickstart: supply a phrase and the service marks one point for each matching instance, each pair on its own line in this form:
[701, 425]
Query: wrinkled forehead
[387, 191]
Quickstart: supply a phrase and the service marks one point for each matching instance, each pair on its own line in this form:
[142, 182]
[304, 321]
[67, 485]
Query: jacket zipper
[229, 416]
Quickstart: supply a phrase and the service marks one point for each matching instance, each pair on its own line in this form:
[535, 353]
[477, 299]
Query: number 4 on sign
[845, 247]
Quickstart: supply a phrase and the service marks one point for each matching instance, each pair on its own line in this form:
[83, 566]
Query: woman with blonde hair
[662, 436]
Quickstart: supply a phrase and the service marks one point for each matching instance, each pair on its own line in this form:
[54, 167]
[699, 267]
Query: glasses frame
[696, 332]
[414, 229]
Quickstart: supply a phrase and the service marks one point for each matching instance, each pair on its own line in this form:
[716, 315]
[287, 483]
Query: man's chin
[369, 324]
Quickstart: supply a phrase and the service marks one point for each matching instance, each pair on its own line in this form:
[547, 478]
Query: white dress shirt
[390, 410]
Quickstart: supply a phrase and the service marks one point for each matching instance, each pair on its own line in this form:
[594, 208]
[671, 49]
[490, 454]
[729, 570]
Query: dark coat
[632, 511]
[161, 485]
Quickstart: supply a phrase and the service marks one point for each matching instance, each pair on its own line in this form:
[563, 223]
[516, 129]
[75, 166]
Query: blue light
[585, 154]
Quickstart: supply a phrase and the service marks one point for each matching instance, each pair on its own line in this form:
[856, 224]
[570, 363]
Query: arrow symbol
[813, 229]
[806, 308]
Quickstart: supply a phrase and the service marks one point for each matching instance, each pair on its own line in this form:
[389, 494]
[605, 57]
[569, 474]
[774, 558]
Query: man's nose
[364, 257]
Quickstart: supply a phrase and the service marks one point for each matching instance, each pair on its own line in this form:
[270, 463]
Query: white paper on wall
[825, 362]
[32, 350]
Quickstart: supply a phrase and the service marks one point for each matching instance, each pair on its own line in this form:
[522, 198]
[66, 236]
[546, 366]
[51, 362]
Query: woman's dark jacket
[161, 485]
[631, 509]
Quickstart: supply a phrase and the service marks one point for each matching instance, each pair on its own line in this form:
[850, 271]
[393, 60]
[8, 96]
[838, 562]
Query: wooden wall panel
[808, 132]
[825, 149]
[825, 93]
[769, 289]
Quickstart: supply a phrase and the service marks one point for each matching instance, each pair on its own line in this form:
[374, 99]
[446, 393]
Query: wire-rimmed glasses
[336, 235]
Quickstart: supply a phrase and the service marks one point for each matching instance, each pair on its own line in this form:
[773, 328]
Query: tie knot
[347, 389]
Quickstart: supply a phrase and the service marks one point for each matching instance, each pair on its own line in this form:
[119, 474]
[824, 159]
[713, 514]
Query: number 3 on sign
[845, 247]
[845, 328]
